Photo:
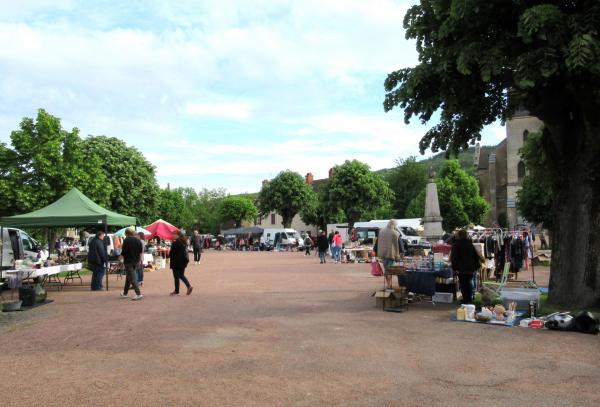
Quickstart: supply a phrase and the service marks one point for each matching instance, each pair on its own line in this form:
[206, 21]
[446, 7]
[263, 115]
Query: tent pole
[1, 251]
[105, 269]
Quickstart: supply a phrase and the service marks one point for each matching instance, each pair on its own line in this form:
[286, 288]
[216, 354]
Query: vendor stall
[73, 209]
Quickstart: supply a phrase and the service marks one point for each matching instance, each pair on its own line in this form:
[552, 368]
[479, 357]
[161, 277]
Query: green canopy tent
[73, 209]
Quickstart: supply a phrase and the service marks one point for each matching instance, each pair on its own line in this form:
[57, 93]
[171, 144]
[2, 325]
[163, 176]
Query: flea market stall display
[419, 278]
[249, 235]
[159, 241]
[74, 209]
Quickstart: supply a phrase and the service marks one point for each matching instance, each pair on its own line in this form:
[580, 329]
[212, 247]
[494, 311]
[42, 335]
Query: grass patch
[545, 308]
[82, 272]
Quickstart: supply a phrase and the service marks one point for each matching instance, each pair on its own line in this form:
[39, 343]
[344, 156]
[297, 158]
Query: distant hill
[466, 159]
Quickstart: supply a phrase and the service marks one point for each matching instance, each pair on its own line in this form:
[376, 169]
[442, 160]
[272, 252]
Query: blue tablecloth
[422, 282]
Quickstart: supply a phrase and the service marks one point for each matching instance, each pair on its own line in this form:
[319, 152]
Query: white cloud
[213, 89]
[225, 110]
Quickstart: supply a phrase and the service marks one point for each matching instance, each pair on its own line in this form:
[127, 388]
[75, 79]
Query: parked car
[18, 245]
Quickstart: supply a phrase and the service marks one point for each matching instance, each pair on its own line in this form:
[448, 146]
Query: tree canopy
[483, 61]
[44, 163]
[133, 189]
[238, 209]
[287, 194]
[355, 190]
[406, 180]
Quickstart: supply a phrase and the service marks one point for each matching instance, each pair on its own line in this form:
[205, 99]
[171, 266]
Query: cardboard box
[391, 299]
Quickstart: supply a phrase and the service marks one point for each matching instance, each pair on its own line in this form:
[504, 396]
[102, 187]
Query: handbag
[376, 269]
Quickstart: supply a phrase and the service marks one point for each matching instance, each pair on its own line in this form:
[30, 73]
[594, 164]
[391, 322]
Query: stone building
[500, 170]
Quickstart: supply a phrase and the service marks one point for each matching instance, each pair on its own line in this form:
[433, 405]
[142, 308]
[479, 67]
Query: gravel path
[280, 329]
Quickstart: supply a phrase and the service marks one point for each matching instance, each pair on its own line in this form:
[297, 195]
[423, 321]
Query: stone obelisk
[432, 222]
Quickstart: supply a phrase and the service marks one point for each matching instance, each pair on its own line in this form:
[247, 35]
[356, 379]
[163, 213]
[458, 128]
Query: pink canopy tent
[162, 229]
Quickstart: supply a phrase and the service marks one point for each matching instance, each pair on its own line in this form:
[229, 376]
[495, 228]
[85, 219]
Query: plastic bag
[376, 269]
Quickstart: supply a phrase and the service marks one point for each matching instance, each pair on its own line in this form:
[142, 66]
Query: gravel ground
[280, 329]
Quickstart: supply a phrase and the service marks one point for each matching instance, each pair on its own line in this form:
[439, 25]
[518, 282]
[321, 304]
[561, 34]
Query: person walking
[322, 246]
[197, 244]
[465, 262]
[97, 259]
[131, 251]
[307, 245]
[179, 261]
[388, 248]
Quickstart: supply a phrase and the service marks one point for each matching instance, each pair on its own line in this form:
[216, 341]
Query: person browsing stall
[97, 259]
[465, 262]
[388, 248]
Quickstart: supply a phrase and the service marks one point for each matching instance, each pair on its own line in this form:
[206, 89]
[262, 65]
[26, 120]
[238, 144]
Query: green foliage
[356, 191]
[45, 162]
[133, 188]
[471, 54]
[458, 194]
[535, 198]
[407, 180]
[287, 194]
[316, 213]
[172, 207]
[238, 209]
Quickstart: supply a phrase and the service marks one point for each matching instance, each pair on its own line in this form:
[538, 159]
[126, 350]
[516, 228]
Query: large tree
[356, 191]
[407, 180]
[287, 194]
[44, 163]
[237, 209]
[535, 198]
[131, 182]
[481, 61]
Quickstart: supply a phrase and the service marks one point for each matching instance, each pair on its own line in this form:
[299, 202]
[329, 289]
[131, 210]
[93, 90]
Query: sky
[220, 93]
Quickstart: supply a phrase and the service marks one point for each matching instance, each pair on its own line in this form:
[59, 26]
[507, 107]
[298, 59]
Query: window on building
[259, 221]
[525, 135]
[272, 219]
[521, 170]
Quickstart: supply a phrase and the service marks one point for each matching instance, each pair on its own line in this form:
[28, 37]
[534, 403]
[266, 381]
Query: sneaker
[137, 297]
[121, 295]
[174, 293]
[189, 290]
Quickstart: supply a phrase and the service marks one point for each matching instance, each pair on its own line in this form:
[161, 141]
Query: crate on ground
[522, 296]
[446, 298]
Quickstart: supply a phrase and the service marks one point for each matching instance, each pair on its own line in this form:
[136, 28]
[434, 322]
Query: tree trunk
[575, 269]
[286, 220]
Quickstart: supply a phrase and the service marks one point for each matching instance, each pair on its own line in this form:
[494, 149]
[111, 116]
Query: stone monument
[432, 222]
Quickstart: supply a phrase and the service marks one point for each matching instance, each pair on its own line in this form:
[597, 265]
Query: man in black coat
[465, 262]
[97, 259]
[131, 252]
[322, 246]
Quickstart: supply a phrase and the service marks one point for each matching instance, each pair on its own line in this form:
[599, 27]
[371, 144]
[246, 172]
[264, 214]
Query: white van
[110, 248]
[18, 245]
[370, 230]
[281, 237]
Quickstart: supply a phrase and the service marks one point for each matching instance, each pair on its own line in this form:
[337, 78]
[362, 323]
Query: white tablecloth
[45, 271]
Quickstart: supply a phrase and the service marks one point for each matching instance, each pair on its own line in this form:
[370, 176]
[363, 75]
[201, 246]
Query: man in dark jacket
[97, 259]
[322, 246]
[131, 251]
[465, 262]
[197, 244]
